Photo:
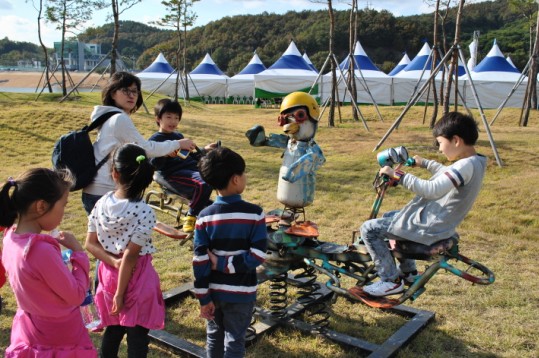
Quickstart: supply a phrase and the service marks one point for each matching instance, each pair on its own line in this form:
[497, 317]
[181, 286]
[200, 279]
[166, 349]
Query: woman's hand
[69, 241]
[187, 144]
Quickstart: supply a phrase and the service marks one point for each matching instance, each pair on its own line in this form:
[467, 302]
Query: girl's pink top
[48, 322]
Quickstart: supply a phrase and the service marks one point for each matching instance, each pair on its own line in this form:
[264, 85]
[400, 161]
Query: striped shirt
[235, 231]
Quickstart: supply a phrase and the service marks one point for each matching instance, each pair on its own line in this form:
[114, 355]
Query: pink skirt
[143, 301]
[45, 337]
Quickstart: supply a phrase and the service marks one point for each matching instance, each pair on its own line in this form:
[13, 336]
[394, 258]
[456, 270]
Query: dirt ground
[19, 79]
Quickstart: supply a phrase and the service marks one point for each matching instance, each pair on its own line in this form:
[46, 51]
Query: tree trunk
[331, 116]
[455, 58]
[178, 53]
[116, 17]
[64, 89]
[351, 43]
[185, 83]
[531, 89]
[433, 66]
[43, 46]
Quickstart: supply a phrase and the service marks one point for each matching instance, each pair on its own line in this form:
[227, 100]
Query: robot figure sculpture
[302, 156]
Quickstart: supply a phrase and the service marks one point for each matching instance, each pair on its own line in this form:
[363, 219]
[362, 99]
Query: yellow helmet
[298, 99]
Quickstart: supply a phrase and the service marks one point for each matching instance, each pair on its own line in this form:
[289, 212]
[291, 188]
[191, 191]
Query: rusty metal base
[266, 323]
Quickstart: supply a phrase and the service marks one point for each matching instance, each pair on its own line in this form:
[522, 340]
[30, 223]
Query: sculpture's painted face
[297, 124]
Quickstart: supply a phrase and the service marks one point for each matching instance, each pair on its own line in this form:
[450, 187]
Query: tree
[531, 89]
[118, 7]
[333, 64]
[39, 10]
[67, 14]
[179, 16]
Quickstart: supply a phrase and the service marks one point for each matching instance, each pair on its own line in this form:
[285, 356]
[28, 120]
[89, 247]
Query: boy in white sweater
[440, 205]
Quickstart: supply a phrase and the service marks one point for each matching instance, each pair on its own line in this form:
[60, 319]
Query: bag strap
[99, 121]
[103, 161]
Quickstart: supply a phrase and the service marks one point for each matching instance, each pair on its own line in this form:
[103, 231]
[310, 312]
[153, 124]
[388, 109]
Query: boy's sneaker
[409, 277]
[189, 223]
[384, 288]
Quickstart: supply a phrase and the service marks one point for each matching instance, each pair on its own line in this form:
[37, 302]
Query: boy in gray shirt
[440, 205]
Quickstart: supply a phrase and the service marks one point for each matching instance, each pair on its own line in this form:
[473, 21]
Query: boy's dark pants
[189, 184]
[226, 333]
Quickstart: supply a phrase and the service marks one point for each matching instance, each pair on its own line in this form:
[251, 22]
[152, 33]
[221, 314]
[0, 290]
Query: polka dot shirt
[120, 221]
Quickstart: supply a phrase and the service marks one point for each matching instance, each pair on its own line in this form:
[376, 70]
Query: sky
[18, 18]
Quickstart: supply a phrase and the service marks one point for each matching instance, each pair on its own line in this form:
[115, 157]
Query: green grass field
[501, 231]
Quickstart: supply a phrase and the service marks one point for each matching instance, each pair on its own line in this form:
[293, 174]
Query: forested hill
[231, 41]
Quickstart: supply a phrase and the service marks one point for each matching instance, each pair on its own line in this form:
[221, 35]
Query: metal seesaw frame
[266, 323]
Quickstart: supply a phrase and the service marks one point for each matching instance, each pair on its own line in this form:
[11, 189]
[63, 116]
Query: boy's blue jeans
[226, 332]
[373, 233]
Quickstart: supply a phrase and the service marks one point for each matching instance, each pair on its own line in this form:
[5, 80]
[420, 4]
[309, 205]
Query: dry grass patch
[501, 231]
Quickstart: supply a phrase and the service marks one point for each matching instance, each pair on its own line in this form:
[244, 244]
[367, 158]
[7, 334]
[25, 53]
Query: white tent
[494, 77]
[309, 62]
[243, 84]
[510, 62]
[411, 78]
[288, 74]
[405, 60]
[154, 76]
[368, 77]
[207, 80]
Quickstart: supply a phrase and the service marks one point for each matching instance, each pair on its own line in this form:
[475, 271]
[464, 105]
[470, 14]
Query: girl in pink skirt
[48, 322]
[128, 297]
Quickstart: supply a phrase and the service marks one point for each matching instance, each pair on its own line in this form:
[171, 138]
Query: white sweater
[116, 131]
[442, 202]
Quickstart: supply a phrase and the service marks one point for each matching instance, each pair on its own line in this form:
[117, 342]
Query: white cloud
[21, 29]
[6, 5]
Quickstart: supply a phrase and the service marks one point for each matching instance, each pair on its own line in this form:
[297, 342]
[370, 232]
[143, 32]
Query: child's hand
[69, 241]
[387, 170]
[418, 161]
[187, 144]
[117, 305]
[213, 259]
[212, 146]
[207, 311]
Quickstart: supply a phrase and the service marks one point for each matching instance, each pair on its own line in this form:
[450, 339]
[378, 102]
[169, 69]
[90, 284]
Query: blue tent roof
[291, 59]
[309, 62]
[159, 65]
[207, 67]
[405, 60]
[495, 62]
[361, 60]
[254, 66]
[423, 61]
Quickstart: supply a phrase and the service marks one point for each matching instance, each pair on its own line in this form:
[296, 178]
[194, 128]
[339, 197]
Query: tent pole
[353, 102]
[415, 97]
[162, 83]
[519, 81]
[456, 86]
[366, 88]
[481, 112]
[85, 77]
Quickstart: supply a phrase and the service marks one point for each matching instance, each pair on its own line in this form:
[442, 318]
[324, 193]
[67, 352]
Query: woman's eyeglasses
[129, 92]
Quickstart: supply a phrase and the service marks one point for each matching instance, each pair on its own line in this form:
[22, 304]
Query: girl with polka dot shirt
[128, 297]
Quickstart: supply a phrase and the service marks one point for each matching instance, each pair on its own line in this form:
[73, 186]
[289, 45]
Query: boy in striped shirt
[229, 243]
[440, 205]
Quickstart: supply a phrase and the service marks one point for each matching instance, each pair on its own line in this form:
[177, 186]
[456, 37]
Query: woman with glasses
[122, 95]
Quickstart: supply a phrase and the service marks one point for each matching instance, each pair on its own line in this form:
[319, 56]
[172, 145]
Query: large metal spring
[278, 290]
[317, 312]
